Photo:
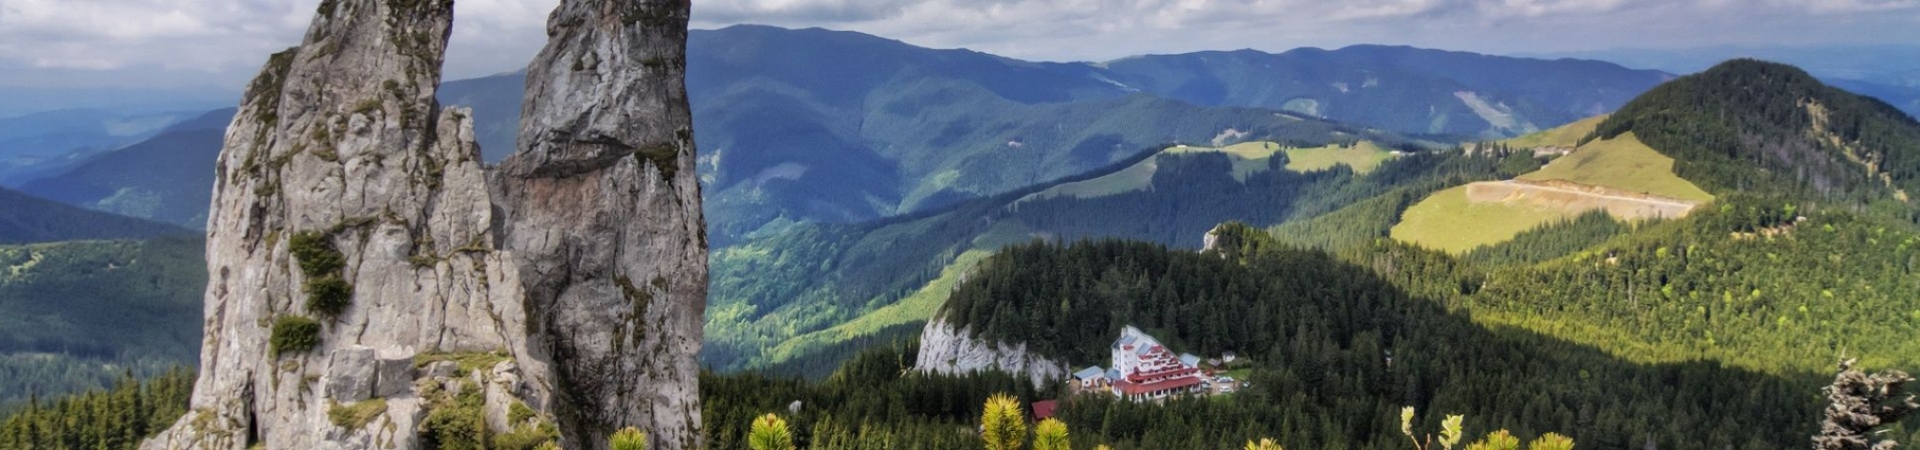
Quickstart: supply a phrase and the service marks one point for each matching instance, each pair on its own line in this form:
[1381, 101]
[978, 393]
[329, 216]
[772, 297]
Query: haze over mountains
[824, 126]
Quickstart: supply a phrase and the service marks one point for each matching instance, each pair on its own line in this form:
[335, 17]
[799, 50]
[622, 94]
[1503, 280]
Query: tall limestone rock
[366, 269]
[603, 217]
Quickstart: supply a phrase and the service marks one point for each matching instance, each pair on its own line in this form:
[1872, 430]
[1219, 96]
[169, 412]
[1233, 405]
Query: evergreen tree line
[1764, 128]
[100, 420]
[1337, 347]
[817, 275]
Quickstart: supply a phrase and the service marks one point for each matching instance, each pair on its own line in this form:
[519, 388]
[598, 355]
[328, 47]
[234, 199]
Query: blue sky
[174, 43]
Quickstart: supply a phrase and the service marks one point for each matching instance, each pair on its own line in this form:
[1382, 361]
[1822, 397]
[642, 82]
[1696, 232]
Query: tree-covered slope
[77, 315]
[1334, 345]
[27, 219]
[788, 295]
[1806, 255]
[1759, 127]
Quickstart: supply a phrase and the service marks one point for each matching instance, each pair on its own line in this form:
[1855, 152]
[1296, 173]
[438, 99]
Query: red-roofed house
[1143, 369]
[1043, 410]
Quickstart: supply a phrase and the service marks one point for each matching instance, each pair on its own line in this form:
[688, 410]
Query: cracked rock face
[363, 259]
[603, 218]
[949, 351]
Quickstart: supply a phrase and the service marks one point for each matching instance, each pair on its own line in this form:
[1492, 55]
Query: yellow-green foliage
[1551, 441]
[1498, 440]
[1248, 158]
[1003, 424]
[356, 415]
[770, 432]
[1568, 135]
[1363, 157]
[1447, 221]
[628, 438]
[1621, 163]
[1051, 434]
[1450, 431]
[1264, 444]
[917, 307]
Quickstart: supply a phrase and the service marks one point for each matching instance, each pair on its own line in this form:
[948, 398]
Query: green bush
[328, 295]
[294, 334]
[457, 423]
[314, 250]
[628, 438]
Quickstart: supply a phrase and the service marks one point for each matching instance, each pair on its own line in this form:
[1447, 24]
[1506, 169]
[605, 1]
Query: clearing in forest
[1622, 176]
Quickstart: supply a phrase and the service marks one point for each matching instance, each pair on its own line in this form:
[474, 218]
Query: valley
[868, 238]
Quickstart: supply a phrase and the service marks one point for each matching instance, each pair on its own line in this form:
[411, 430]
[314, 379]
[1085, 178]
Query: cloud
[225, 41]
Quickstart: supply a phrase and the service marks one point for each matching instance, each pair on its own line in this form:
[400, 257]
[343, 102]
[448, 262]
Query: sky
[219, 44]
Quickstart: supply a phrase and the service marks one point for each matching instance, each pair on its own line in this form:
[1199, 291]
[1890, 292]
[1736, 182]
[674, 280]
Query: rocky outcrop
[947, 350]
[365, 289]
[603, 217]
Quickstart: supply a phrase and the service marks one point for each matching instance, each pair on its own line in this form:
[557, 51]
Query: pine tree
[770, 432]
[1051, 434]
[1003, 424]
[628, 438]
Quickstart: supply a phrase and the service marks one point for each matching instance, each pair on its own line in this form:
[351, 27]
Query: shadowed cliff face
[603, 216]
[362, 259]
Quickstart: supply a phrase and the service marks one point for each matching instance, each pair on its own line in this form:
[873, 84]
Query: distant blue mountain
[814, 125]
[168, 178]
[25, 219]
[46, 143]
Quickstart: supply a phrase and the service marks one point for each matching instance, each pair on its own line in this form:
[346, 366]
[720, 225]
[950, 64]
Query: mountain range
[802, 126]
[843, 193]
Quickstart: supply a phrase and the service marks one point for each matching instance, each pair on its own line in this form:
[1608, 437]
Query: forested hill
[1332, 344]
[28, 219]
[1764, 128]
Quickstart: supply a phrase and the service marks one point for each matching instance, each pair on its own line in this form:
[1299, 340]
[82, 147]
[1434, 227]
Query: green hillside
[1326, 336]
[1623, 163]
[1363, 157]
[1758, 127]
[799, 290]
[1456, 221]
[77, 315]
[1448, 221]
[1780, 278]
[28, 219]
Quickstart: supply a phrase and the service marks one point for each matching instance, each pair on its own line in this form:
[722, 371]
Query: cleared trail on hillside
[1575, 197]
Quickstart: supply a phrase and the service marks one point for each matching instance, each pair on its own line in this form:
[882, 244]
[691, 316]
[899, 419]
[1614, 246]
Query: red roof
[1138, 377]
[1043, 410]
[1136, 388]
